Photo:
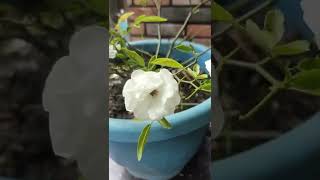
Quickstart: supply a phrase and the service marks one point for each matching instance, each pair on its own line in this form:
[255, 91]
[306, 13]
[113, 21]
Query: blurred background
[241, 89]
[34, 34]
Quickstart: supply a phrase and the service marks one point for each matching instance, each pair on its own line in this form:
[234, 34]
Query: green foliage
[206, 86]
[167, 62]
[310, 63]
[165, 123]
[292, 48]
[307, 81]
[220, 14]
[143, 140]
[184, 48]
[134, 56]
[262, 38]
[148, 19]
[274, 23]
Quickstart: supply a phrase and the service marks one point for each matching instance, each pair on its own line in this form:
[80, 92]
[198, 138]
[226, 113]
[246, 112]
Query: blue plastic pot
[167, 151]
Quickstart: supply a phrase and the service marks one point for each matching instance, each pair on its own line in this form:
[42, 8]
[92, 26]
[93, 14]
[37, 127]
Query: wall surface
[198, 28]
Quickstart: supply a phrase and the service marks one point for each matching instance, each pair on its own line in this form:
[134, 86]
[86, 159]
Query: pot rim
[126, 130]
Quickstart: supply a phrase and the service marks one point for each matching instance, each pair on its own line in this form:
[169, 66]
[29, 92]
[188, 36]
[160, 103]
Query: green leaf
[196, 69]
[167, 62]
[206, 86]
[125, 16]
[120, 56]
[263, 39]
[165, 123]
[184, 48]
[148, 19]
[310, 63]
[274, 23]
[143, 140]
[220, 14]
[202, 76]
[191, 73]
[307, 81]
[293, 48]
[134, 56]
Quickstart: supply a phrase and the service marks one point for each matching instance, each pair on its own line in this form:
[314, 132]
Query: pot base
[153, 177]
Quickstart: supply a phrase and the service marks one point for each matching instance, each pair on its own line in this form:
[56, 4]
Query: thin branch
[255, 67]
[242, 18]
[193, 11]
[228, 56]
[158, 5]
[254, 110]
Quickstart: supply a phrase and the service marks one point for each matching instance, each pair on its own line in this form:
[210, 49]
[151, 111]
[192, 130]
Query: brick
[151, 2]
[138, 31]
[204, 41]
[178, 14]
[199, 30]
[167, 30]
[140, 11]
[186, 2]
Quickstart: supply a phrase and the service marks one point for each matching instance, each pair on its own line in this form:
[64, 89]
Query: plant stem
[193, 11]
[255, 67]
[222, 62]
[242, 18]
[139, 50]
[194, 92]
[158, 5]
[254, 110]
[196, 56]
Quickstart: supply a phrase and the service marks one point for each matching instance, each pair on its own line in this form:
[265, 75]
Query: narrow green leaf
[165, 123]
[148, 19]
[143, 140]
[220, 14]
[196, 69]
[274, 23]
[206, 86]
[261, 38]
[310, 63]
[307, 81]
[191, 73]
[125, 16]
[202, 76]
[293, 48]
[135, 57]
[167, 62]
[184, 48]
[120, 56]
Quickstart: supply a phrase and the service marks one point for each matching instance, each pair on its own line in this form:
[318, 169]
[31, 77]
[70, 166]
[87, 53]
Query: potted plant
[167, 140]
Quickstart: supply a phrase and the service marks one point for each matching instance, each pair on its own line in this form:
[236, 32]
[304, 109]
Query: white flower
[311, 17]
[208, 66]
[151, 95]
